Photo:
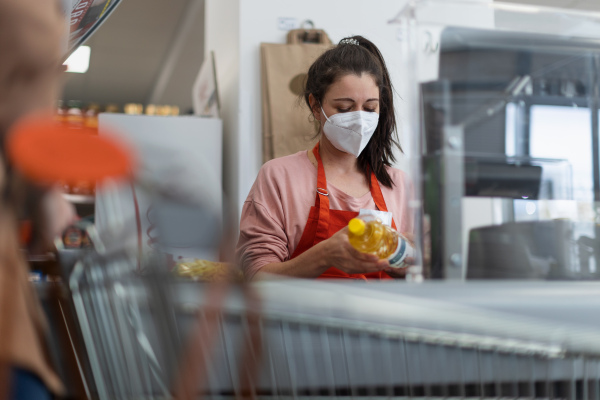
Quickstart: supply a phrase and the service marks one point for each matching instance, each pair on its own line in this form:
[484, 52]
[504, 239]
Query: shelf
[80, 198]
[40, 257]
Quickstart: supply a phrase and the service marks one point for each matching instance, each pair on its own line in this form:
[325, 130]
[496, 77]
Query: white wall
[222, 33]
[258, 22]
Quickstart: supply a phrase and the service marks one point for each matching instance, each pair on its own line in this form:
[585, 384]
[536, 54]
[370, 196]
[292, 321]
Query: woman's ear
[315, 107]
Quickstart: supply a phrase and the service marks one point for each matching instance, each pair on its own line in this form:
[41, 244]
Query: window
[561, 132]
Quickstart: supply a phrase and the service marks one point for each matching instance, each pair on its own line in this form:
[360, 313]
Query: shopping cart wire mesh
[155, 336]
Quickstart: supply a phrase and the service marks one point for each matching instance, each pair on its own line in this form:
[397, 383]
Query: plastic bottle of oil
[369, 235]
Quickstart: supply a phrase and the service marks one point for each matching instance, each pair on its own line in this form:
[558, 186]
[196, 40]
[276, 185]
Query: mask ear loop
[323, 111]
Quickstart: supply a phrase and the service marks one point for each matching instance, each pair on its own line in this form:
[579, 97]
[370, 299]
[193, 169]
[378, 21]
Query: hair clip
[350, 41]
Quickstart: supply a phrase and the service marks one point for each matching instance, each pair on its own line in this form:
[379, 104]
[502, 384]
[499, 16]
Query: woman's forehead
[353, 86]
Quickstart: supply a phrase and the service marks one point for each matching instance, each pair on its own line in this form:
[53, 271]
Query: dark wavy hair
[349, 58]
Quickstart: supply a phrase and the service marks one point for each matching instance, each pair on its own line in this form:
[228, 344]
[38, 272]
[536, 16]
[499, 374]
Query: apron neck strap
[378, 196]
[321, 179]
[322, 199]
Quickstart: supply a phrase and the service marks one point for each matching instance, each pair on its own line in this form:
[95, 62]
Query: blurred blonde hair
[31, 42]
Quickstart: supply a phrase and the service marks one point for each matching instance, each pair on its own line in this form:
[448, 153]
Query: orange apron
[322, 222]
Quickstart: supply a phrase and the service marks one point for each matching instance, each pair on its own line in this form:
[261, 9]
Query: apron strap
[378, 196]
[322, 200]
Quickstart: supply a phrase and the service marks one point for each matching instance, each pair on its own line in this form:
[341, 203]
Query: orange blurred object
[47, 151]
[25, 232]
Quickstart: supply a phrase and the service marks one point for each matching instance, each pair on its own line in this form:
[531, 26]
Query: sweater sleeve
[263, 239]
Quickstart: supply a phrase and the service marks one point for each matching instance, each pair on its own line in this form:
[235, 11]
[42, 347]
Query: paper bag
[306, 36]
[287, 127]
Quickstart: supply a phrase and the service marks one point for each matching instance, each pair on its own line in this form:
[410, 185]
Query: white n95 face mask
[350, 132]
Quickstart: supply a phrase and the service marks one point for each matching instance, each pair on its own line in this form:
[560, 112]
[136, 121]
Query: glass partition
[502, 102]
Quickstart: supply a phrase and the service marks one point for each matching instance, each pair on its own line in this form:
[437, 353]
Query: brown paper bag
[285, 117]
[306, 36]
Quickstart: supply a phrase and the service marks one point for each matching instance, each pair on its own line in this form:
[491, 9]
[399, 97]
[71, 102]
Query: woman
[294, 221]
[31, 48]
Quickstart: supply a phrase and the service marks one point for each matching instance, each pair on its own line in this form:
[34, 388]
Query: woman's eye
[370, 109]
[344, 109]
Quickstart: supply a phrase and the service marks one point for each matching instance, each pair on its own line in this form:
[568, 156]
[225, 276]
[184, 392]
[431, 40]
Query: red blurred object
[25, 232]
[47, 151]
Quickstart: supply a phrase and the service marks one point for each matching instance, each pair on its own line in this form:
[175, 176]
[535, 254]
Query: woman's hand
[396, 273]
[339, 253]
[410, 238]
[400, 273]
[59, 213]
[333, 252]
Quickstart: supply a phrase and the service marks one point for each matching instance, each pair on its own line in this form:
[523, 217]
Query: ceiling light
[525, 8]
[79, 61]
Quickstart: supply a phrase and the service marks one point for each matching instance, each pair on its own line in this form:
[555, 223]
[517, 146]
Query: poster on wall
[85, 17]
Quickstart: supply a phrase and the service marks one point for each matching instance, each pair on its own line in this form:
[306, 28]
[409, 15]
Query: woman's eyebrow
[352, 100]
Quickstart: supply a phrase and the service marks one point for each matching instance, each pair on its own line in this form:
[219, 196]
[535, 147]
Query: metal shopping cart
[154, 336]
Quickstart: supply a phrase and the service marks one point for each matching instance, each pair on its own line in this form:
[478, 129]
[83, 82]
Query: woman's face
[349, 93]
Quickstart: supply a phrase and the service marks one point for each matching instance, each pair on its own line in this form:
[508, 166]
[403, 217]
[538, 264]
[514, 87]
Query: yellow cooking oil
[373, 237]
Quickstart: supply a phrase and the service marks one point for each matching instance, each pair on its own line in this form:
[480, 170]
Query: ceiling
[574, 4]
[147, 51]
[150, 51]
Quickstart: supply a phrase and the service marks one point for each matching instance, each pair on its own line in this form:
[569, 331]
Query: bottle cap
[356, 226]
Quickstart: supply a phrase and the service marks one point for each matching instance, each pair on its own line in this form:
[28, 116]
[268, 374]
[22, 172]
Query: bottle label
[384, 216]
[403, 250]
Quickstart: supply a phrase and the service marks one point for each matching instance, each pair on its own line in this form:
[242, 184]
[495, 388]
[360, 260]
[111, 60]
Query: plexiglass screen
[516, 116]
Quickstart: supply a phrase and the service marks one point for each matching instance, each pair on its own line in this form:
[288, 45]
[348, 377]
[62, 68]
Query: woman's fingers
[410, 237]
[396, 272]
[371, 264]
[410, 260]
[362, 256]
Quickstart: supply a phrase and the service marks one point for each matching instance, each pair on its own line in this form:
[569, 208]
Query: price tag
[287, 23]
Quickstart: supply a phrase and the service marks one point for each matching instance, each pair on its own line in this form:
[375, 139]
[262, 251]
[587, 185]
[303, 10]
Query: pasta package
[209, 271]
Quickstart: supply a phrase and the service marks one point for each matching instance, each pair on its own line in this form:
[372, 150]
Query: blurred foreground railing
[159, 336]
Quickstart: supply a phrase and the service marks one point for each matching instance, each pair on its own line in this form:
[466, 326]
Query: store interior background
[150, 51]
